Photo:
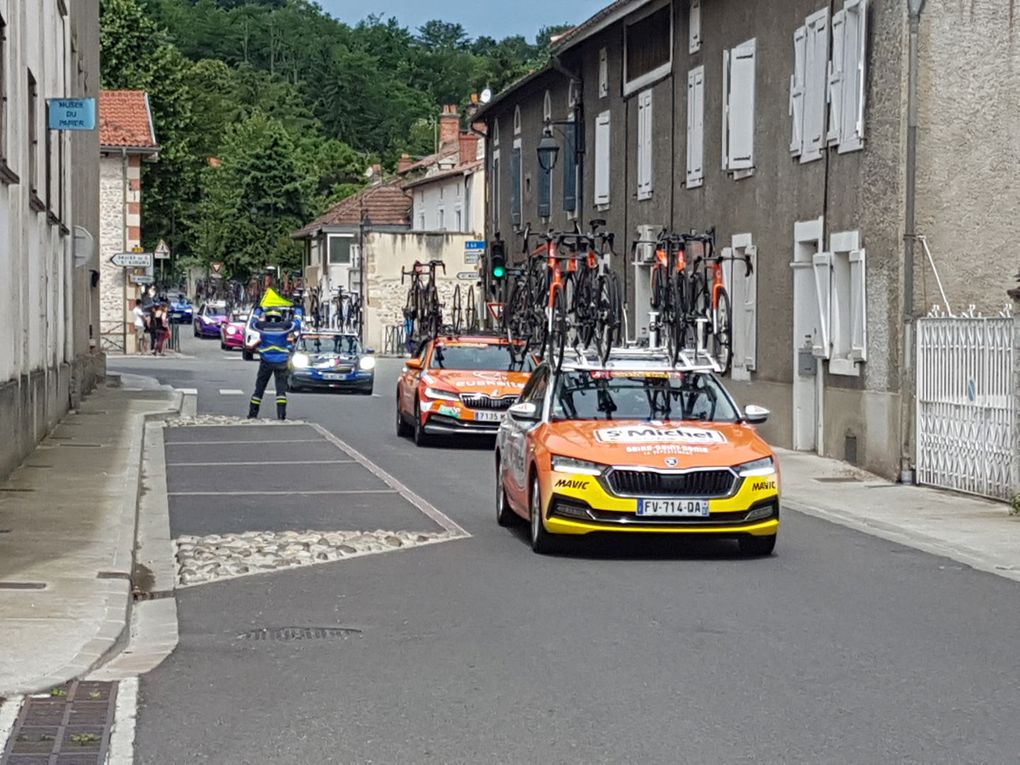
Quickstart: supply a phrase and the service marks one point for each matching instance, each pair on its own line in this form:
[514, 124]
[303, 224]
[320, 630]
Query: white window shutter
[854, 62]
[725, 109]
[695, 27]
[695, 127]
[602, 135]
[741, 110]
[644, 153]
[749, 311]
[815, 84]
[821, 342]
[835, 91]
[797, 91]
[858, 307]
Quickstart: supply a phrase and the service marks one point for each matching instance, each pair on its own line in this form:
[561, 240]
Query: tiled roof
[385, 204]
[466, 169]
[593, 24]
[125, 120]
[428, 161]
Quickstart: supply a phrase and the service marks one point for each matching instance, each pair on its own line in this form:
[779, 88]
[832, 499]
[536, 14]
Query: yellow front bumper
[592, 491]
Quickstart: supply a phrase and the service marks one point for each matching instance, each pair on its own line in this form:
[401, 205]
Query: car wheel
[757, 546]
[542, 541]
[421, 438]
[505, 516]
[195, 330]
[248, 355]
[403, 429]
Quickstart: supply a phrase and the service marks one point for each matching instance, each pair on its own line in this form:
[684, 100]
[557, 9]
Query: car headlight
[442, 395]
[367, 363]
[231, 330]
[300, 361]
[577, 467]
[764, 466]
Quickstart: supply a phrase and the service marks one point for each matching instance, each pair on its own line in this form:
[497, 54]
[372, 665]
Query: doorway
[807, 369]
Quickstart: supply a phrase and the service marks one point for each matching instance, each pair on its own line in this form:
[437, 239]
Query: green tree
[253, 200]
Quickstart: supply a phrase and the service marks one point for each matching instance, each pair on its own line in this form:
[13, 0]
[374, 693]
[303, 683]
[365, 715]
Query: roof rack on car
[690, 360]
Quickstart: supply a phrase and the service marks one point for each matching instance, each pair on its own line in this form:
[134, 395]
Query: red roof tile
[125, 120]
[385, 204]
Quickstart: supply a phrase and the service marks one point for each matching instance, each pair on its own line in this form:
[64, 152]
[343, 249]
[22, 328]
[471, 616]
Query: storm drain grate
[298, 633]
[838, 479]
[70, 726]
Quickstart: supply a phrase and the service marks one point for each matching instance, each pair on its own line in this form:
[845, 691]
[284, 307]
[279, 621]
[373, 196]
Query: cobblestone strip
[221, 420]
[226, 556]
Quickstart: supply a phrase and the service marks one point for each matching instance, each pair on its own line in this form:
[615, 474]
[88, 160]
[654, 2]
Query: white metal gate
[967, 432]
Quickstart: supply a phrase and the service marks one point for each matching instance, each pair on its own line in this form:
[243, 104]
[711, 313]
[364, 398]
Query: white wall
[436, 204]
[36, 270]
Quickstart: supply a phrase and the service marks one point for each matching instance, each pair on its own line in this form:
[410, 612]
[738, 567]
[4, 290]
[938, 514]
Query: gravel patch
[225, 556]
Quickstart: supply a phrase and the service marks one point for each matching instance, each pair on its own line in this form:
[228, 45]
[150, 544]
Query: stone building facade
[48, 220]
[783, 125]
[127, 138]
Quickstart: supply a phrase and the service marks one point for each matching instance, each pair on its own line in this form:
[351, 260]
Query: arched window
[572, 95]
[495, 133]
[517, 120]
[547, 109]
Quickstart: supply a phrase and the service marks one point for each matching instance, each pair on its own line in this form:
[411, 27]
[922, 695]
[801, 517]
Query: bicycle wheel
[586, 307]
[456, 310]
[470, 311]
[699, 304]
[676, 323]
[433, 312]
[657, 289]
[556, 339]
[721, 340]
[609, 316]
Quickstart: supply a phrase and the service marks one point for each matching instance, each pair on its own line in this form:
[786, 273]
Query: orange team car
[460, 386]
[635, 445]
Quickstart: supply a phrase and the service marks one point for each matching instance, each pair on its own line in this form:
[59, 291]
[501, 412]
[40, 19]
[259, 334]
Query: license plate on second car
[489, 416]
[333, 376]
[697, 508]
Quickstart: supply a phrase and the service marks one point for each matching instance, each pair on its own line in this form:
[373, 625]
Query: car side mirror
[525, 412]
[755, 415]
[414, 364]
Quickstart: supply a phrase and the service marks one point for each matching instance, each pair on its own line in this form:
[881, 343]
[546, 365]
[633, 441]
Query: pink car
[232, 332]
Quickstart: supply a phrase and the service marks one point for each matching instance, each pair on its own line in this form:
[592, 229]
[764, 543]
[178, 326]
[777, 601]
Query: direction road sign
[467, 275]
[471, 257]
[142, 279]
[132, 259]
[162, 251]
[474, 244]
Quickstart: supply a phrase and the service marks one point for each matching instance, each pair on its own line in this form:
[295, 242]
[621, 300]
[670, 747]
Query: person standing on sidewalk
[277, 336]
[140, 319]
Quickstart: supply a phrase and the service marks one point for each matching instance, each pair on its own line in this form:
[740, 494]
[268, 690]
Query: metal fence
[967, 410]
[394, 340]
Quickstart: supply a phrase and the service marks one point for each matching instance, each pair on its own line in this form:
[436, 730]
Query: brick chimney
[468, 148]
[449, 125]
[404, 163]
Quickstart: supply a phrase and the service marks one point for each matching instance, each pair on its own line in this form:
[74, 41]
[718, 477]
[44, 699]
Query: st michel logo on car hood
[649, 434]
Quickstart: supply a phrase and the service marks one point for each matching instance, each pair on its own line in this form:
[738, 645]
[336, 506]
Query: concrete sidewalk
[68, 518]
[977, 532]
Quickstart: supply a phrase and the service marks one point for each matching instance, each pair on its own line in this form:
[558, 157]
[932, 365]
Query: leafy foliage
[292, 104]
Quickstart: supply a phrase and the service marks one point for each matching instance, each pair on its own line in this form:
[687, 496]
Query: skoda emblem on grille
[495, 393]
[671, 461]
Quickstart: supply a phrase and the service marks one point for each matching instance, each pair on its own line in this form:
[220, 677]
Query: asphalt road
[840, 648]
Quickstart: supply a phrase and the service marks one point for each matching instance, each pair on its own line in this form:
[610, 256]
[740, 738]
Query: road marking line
[233, 357]
[125, 712]
[188, 391]
[421, 503]
[269, 462]
[231, 392]
[277, 493]
[251, 441]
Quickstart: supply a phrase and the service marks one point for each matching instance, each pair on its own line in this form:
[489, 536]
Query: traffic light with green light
[497, 260]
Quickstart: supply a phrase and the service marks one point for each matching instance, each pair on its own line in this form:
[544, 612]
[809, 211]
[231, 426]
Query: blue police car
[331, 360]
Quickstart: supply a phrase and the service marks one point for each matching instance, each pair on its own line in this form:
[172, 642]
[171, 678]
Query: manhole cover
[298, 633]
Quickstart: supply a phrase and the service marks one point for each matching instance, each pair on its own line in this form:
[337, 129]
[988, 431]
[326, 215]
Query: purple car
[209, 319]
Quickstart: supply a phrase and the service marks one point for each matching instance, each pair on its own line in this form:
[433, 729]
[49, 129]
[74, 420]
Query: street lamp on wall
[548, 150]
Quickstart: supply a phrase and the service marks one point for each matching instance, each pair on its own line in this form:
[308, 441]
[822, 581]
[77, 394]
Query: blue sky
[478, 17]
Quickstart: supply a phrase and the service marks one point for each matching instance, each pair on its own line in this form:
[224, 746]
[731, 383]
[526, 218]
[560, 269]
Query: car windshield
[215, 310]
[345, 344]
[479, 357]
[240, 317]
[626, 395]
